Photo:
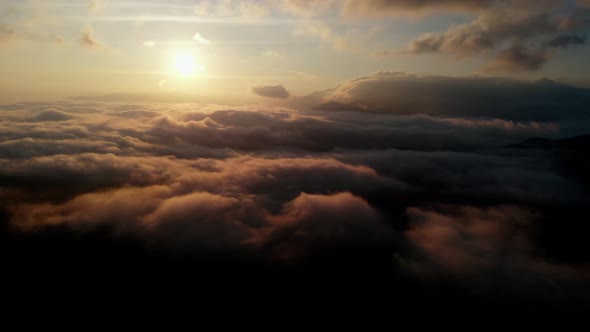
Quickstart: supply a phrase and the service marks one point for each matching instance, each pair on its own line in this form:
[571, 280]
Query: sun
[185, 64]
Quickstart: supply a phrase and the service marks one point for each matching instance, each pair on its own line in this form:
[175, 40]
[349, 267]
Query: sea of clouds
[357, 178]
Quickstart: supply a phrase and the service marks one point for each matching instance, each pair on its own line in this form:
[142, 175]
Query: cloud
[88, 40]
[467, 239]
[485, 33]
[475, 243]
[520, 58]
[307, 7]
[405, 179]
[500, 27]
[384, 8]
[565, 41]
[311, 221]
[516, 59]
[202, 8]
[171, 206]
[200, 39]
[259, 129]
[51, 115]
[271, 91]
[6, 34]
[95, 6]
[10, 34]
[59, 39]
[200, 220]
[400, 93]
[401, 7]
[229, 8]
[271, 54]
[253, 9]
[379, 8]
[323, 32]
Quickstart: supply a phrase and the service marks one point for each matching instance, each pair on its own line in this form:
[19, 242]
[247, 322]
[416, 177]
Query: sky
[51, 47]
[434, 150]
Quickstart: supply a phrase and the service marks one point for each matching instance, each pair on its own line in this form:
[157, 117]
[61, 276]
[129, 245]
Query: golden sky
[223, 48]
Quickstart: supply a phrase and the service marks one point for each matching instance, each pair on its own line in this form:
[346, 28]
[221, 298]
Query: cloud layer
[366, 181]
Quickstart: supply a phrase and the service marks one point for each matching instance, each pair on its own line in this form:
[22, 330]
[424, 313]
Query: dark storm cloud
[274, 91]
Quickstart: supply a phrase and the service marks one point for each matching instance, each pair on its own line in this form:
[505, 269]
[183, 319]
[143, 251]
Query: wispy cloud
[6, 34]
[88, 40]
[190, 19]
[200, 39]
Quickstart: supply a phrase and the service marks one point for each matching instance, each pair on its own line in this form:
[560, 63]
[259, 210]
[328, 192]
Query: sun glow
[185, 64]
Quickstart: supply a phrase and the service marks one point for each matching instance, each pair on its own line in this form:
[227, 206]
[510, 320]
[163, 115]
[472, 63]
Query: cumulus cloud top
[384, 185]
[51, 115]
[271, 91]
[397, 92]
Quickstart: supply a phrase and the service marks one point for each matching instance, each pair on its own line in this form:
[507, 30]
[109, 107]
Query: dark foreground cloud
[485, 246]
[394, 180]
[274, 91]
